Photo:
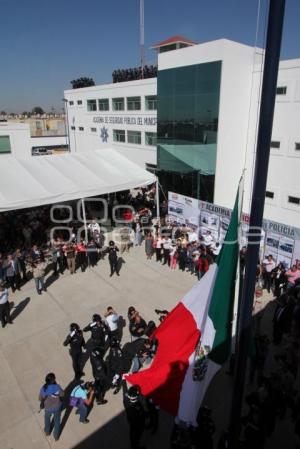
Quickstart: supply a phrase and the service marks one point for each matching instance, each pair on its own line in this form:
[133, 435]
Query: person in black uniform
[77, 344]
[100, 375]
[99, 333]
[113, 258]
[135, 414]
[114, 362]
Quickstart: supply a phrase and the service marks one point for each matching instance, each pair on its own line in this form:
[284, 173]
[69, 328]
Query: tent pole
[84, 220]
[157, 200]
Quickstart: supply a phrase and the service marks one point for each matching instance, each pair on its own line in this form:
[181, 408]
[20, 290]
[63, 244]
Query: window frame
[93, 130]
[270, 195]
[147, 98]
[7, 136]
[117, 100]
[71, 103]
[103, 99]
[293, 203]
[130, 134]
[147, 136]
[116, 133]
[79, 102]
[81, 128]
[132, 102]
[284, 88]
[274, 146]
[88, 104]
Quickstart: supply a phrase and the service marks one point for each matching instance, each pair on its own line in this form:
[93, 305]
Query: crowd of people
[27, 252]
[110, 360]
[135, 73]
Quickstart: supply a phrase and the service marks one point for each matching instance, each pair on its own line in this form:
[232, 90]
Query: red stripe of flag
[177, 339]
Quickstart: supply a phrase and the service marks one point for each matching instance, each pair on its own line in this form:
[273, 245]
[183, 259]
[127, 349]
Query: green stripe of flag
[221, 305]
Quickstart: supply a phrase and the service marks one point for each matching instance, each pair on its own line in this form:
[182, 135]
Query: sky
[46, 44]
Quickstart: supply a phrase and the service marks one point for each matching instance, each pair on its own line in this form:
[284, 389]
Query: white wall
[19, 134]
[284, 165]
[79, 116]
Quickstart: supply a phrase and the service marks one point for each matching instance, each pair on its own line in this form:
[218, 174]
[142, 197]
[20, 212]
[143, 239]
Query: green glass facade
[187, 128]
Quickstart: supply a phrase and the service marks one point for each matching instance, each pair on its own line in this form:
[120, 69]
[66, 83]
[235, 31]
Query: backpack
[74, 401]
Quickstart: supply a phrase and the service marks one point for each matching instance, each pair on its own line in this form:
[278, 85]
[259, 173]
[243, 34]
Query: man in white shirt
[208, 238]
[94, 228]
[193, 237]
[269, 265]
[4, 307]
[112, 321]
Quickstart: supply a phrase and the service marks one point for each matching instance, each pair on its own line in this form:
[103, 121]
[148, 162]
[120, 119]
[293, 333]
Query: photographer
[82, 397]
[101, 384]
[162, 314]
[143, 357]
[137, 326]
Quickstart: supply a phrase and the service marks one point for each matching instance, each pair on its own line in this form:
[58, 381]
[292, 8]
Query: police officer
[100, 375]
[135, 414]
[114, 362]
[77, 344]
[113, 258]
[99, 333]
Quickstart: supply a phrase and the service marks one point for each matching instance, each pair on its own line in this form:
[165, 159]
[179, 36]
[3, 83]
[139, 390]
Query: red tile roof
[173, 40]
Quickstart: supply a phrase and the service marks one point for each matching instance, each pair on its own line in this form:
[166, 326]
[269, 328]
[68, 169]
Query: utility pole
[268, 95]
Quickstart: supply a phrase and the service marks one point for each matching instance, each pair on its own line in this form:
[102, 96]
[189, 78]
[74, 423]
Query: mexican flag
[195, 338]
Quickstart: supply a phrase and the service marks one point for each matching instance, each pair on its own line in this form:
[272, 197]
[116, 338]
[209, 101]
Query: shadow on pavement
[19, 308]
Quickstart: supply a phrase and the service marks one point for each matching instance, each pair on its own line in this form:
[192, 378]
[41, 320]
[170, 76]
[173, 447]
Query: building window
[118, 104]
[134, 137]
[150, 139]
[133, 103]
[71, 103]
[297, 146]
[94, 130]
[275, 144]
[81, 128]
[269, 194]
[79, 102]
[294, 200]
[73, 128]
[118, 135]
[103, 104]
[281, 90]
[151, 103]
[5, 144]
[91, 105]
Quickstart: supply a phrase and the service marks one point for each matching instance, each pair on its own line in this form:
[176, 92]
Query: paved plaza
[33, 346]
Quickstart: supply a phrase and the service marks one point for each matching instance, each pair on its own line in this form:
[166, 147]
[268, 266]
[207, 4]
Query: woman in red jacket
[202, 266]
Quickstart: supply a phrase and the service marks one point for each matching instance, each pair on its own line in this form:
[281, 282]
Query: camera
[162, 314]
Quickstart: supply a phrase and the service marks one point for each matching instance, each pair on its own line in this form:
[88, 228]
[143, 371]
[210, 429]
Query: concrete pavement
[32, 347]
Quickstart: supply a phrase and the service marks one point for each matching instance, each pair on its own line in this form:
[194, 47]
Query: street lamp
[67, 123]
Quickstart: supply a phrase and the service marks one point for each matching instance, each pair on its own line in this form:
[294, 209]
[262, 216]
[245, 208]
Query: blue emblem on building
[104, 134]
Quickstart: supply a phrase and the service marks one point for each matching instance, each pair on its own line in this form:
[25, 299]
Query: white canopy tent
[36, 181]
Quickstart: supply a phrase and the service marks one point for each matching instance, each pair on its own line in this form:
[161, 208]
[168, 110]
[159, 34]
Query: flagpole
[272, 55]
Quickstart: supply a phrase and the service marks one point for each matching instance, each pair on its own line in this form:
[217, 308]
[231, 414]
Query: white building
[15, 139]
[207, 101]
[120, 114]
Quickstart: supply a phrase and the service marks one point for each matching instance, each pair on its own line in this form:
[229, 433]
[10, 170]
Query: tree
[26, 113]
[2, 113]
[82, 82]
[37, 110]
